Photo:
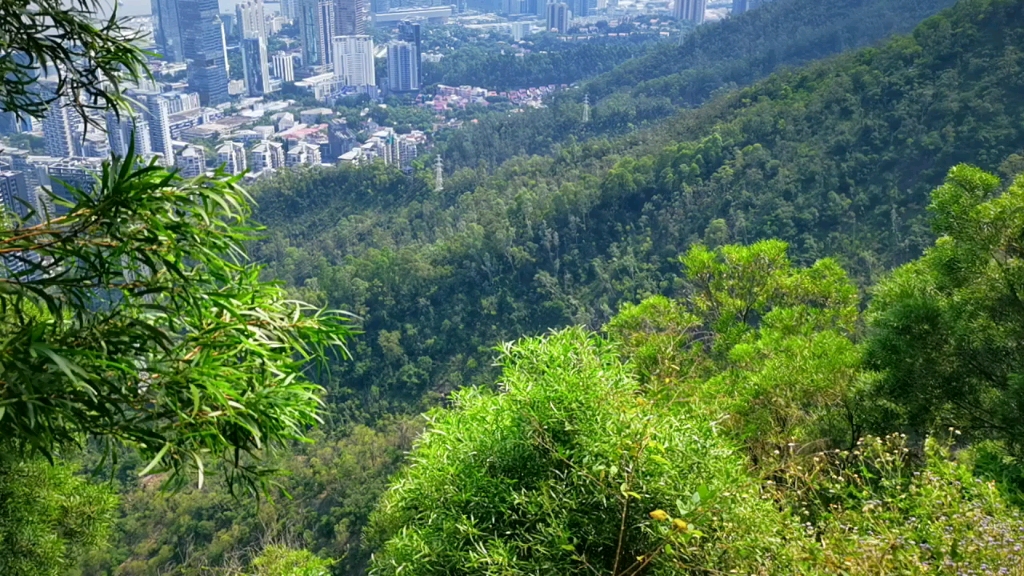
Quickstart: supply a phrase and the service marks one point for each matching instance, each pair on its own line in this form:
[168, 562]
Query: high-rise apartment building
[191, 161]
[558, 16]
[690, 10]
[302, 154]
[290, 9]
[125, 129]
[316, 31]
[267, 156]
[403, 67]
[284, 66]
[741, 6]
[353, 60]
[352, 17]
[15, 195]
[410, 32]
[158, 109]
[202, 36]
[579, 8]
[255, 66]
[231, 155]
[77, 173]
[250, 20]
[167, 30]
[308, 36]
[325, 31]
[61, 140]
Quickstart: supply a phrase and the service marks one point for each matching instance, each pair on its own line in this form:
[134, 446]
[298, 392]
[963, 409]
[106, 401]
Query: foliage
[717, 56]
[755, 338]
[946, 330]
[333, 485]
[503, 68]
[132, 317]
[49, 517]
[876, 510]
[569, 471]
[91, 59]
[281, 561]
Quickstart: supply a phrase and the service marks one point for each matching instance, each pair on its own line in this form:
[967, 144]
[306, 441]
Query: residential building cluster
[387, 146]
[459, 97]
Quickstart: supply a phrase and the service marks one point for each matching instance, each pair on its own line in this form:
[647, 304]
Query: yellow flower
[659, 515]
[679, 525]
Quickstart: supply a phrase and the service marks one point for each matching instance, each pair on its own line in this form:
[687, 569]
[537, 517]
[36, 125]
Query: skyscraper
[61, 141]
[352, 16]
[204, 50]
[160, 127]
[284, 67]
[580, 8]
[250, 20]
[690, 10]
[308, 32]
[290, 9]
[410, 32]
[125, 129]
[403, 68]
[15, 196]
[167, 31]
[255, 66]
[741, 6]
[325, 31]
[353, 60]
[558, 16]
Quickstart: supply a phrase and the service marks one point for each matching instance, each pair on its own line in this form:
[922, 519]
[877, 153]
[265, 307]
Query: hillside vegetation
[722, 55]
[734, 387]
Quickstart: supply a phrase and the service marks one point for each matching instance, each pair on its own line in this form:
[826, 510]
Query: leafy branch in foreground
[89, 57]
[134, 318]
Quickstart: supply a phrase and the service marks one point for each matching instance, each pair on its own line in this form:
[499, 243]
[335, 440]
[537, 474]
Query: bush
[571, 470]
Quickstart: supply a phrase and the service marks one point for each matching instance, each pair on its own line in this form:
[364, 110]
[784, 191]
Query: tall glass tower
[204, 50]
[167, 30]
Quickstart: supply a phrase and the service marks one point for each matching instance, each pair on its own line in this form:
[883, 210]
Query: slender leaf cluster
[134, 317]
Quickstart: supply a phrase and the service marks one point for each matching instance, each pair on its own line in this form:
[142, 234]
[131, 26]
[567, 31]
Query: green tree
[757, 338]
[282, 561]
[947, 330]
[130, 313]
[48, 517]
[571, 470]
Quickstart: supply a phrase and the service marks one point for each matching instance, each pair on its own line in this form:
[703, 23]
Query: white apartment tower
[403, 67]
[303, 154]
[232, 156]
[353, 60]
[250, 20]
[690, 10]
[160, 127]
[60, 139]
[284, 67]
[191, 162]
[267, 156]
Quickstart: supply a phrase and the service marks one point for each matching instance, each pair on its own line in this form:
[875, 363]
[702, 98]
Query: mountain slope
[733, 52]
[836, 159]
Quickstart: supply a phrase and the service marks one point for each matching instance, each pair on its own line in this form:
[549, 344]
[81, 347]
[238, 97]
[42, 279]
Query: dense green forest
[838, 159]
[547, 61]
[718, 56]
[778, 333]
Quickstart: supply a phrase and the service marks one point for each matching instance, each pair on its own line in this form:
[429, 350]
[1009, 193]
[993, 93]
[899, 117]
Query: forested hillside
[721, 55]
[837, 159]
